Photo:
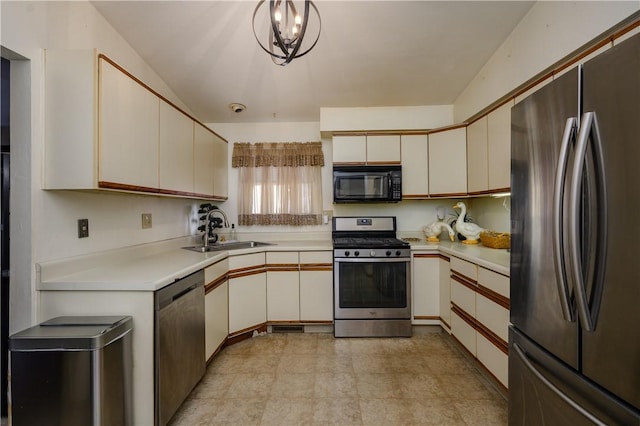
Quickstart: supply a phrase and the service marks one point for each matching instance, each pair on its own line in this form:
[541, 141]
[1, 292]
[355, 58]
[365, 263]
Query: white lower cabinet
[247, 292]
[216, 306]
[316, 286]
[463, 331]
[445, 293]
[426, 288]
[480, 315]
[494, 359]
[283, 286]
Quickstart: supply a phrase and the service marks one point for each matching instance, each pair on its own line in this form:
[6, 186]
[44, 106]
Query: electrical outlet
[83, 228]
[146, 220]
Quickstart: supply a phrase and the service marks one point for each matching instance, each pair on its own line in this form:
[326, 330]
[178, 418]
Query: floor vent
[287, 329]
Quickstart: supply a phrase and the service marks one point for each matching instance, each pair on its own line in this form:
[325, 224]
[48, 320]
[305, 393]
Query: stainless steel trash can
[72, 371]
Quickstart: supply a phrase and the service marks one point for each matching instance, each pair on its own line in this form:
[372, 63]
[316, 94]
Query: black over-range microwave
[357, 184]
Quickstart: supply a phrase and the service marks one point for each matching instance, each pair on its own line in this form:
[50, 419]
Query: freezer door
[544, 391]
[537, 127]
[611, 353]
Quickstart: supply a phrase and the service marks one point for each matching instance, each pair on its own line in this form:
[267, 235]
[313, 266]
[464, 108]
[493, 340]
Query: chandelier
[287, 29]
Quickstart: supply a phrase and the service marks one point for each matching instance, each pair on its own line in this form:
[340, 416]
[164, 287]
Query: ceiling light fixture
[237, 108]
[287, 29]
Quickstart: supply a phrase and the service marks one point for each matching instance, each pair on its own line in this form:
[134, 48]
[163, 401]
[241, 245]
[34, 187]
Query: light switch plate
[146, 220]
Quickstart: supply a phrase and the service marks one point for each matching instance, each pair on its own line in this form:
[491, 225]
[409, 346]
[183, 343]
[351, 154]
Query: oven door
[372, 288]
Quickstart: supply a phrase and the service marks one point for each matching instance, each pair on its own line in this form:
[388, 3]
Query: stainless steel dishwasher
[179, 343]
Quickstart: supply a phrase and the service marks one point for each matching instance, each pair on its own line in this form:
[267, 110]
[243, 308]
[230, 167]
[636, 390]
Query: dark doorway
[4, 227]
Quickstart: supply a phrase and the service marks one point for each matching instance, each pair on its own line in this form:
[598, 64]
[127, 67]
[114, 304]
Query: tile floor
[294, 379]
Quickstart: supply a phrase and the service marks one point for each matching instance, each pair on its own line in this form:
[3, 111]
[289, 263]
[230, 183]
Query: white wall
[46, 227]
[550, 31]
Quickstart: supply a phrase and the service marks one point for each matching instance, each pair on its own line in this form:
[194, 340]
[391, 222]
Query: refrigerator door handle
[558, 199]
[588, 131]
[525, 360]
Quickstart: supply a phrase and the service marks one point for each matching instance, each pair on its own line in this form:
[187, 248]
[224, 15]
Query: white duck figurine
[434, 229]
[470, 231]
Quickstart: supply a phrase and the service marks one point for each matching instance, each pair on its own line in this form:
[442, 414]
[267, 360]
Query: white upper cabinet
[383, 149]
[128, 130]
[204, 147]
[220, 168]
[415, 166]
[499, 147]
[477, 163]
[105, 129]
[176, 150]
[448, 163]
[350, 149]
[210, 163]
[366, 149]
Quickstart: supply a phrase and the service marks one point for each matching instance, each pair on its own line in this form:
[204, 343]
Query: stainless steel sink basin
[231, 245]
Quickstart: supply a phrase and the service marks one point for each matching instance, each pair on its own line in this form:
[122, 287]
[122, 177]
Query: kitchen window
[279, 183]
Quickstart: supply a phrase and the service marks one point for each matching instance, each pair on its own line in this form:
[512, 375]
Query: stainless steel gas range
[372, 278]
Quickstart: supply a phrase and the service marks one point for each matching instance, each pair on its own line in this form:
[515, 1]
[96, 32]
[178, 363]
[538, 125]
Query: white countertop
[149, 267]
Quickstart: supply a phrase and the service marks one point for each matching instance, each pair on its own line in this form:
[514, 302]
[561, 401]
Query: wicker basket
[497, 240]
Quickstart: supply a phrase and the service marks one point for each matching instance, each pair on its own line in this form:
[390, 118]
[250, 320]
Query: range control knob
[388, 253]
[398, 252]
[372, 254]
[346, 253]
[357, 253]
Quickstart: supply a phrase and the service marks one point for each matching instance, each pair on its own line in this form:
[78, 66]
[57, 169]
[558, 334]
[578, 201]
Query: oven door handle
[372, 260]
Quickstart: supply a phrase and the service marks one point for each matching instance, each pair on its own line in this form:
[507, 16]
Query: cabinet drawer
[464, 332]
[215, 271]
[282, 258]
[311, 257]
[468, 269]
[496, 361]
[463, 297]
[246, 261]
[493, 316]
[493, 281]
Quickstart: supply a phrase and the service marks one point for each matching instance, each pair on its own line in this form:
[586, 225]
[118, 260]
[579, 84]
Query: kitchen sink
[229, 245]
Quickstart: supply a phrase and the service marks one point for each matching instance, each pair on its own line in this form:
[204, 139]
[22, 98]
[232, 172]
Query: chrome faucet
[225, 223]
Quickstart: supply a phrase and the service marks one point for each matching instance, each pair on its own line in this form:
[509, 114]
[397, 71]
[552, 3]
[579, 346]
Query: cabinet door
[426, 287]
[216, 309]
[176, 149]
[220, 168]
[415, 166]
[477, 163]
[204, 160]
[316, 286]
[445, 293]
[350, 149]
[129, 123]
[283, 286]
[247, 301]
[383, 149]
[448, 163]
[499, 147]
[247, 292]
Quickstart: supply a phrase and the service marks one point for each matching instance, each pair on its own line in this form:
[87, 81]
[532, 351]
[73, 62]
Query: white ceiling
[370, 53]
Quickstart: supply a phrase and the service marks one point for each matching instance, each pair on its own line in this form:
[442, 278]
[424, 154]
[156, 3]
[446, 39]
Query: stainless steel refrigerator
[574, 342]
